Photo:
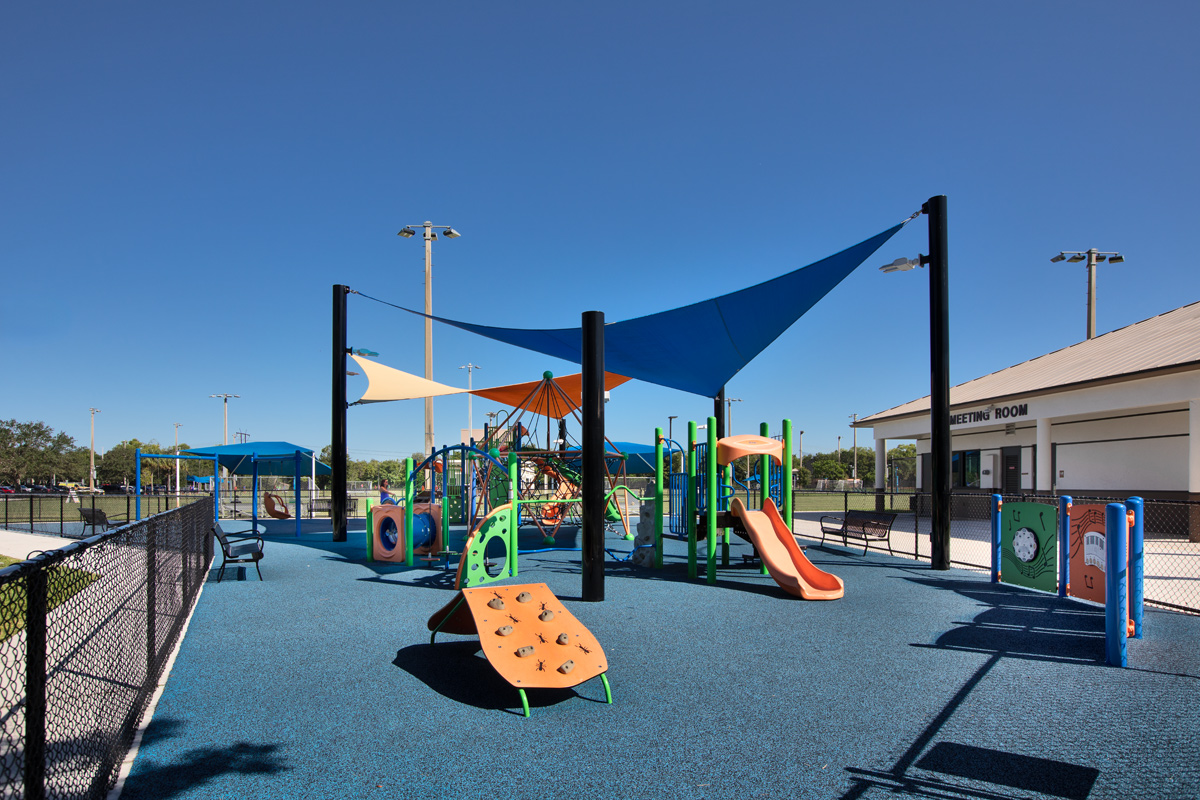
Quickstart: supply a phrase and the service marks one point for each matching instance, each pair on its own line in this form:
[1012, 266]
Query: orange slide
[784, 559]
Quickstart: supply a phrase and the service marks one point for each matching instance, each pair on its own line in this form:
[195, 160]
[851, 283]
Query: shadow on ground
[160, 780]
[456, 671]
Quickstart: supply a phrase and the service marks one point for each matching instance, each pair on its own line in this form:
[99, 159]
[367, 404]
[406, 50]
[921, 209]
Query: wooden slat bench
[322, 506]
[865, 525]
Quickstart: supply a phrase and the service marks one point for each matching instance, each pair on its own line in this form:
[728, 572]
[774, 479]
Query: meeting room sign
[992, 413]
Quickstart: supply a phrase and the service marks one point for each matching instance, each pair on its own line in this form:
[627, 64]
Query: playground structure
[705, 493]
[1040, 546]
[527, 635]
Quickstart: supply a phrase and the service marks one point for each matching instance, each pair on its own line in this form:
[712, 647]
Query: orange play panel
[734, 447]
[527, 635]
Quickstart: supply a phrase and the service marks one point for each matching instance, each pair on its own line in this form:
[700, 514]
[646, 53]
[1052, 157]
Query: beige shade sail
[386, 384]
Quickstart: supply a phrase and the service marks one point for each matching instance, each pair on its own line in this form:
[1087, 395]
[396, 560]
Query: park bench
[99, 521]
[322, 506]
[239, 549]
[865, 525]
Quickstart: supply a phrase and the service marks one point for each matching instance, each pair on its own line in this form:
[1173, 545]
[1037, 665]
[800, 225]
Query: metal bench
[865, 525]
[239, 549]
[322, 506]
[99, 521]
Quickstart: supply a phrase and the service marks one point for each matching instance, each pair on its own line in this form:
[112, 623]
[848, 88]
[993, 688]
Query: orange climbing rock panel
[527, 635]
[734, 447]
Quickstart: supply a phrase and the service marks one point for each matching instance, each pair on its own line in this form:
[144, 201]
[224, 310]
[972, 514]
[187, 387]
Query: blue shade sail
[274, 458]
[721, 335]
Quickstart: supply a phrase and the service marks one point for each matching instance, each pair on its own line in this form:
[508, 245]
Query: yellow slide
[787, 564]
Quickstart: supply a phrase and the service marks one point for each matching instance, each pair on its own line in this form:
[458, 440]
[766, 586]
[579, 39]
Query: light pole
[226, 397]
[938, 261]
[800, 443]
[469, 367]
[177, 427]
[853, 419]
[407, 232]
[840, 452]
[1093, 258]
[92, 453]
[729, 415]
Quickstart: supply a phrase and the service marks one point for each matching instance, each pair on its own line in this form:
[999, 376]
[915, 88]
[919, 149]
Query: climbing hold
[564, 639]
[546, 615]
[524, 652]
[497, 604]
[524, 597]
[567, 666]
[504, 630]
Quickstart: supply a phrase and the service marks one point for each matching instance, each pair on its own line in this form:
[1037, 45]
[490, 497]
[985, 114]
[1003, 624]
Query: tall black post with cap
[939, 370]
[337, 502]
[593, 456]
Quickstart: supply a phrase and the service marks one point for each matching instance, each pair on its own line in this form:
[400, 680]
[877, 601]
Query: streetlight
[226, 397]
[729, 417]
[854, 419]
[939, 372]
[92, 453]
[800, 442]
[1093, 257]
[469, 367]
[840, 451]
[177, 427]
[407, 232]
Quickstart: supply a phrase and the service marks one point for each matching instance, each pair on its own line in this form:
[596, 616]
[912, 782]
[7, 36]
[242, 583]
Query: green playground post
[445, 499]
[370, 533]
[515, 523]
[409, 479]
[658, 497]
[711, 516]
[689, 500]
[786, 478]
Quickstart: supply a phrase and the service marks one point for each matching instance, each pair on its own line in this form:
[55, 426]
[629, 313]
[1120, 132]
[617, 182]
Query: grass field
[64, 584]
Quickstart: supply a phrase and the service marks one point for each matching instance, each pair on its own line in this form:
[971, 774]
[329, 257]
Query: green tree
[32, 451]
[828, 469]
[803, 474]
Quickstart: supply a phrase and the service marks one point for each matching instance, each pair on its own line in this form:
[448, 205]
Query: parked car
[115, 488]
[7, 490]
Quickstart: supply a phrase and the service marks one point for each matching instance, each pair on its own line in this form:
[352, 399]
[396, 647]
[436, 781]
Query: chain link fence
[85, 633]
[1172, 534]
[63, 515]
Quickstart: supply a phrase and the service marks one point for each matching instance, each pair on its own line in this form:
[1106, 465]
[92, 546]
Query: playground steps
[527, 635]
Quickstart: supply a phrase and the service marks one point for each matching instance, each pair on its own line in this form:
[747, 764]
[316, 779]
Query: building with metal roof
[1115, 415]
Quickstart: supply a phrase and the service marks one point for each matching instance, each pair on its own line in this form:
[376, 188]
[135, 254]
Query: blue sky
[183, 183]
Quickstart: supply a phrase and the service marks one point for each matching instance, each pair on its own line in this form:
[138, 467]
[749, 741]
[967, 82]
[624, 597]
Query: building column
[880, 472]
[1045, 476]
[1193, 476]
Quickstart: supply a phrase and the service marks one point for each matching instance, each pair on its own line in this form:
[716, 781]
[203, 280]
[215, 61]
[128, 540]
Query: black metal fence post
[36, 584]
[151, 596]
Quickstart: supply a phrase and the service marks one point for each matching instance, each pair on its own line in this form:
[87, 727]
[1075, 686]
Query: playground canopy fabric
[274, 458]
[639, 458]
[697, 348]
[538, 398]
[387, 383]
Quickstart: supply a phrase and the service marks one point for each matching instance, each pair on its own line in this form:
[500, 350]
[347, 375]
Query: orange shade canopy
[542, 397]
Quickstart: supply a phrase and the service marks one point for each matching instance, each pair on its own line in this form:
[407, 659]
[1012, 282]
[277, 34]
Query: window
[964, 469]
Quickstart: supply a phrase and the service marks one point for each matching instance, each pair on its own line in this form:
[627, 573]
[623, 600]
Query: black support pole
[939, 370]
[593, 456]
[719, 412]
[337, 501]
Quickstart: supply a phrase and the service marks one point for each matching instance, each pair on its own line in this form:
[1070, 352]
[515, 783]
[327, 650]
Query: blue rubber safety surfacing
[915, 682]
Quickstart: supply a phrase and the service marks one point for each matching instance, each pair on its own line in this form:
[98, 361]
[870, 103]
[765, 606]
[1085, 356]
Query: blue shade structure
[724, 333]
[274, 458]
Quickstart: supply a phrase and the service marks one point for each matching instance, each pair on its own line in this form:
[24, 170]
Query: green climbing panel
[474, 567]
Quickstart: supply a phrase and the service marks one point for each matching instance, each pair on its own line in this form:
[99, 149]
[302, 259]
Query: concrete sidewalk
[15, 544]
